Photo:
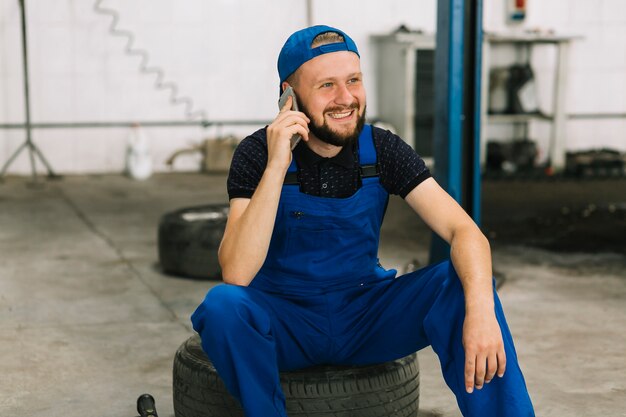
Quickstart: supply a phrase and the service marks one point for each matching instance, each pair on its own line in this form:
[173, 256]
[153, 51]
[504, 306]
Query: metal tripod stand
[33, 150]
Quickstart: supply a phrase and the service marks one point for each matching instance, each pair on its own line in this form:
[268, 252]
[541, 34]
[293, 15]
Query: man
[303, 285]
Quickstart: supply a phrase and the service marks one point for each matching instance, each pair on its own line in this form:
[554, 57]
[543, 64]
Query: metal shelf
[518, 118]
[525, 41]
[526, 37]
[405, 86]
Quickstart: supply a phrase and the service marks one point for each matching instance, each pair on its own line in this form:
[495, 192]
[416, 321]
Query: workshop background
[138, 106]
[221, 55]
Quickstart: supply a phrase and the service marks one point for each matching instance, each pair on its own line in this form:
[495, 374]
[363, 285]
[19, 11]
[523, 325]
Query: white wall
[222, 54]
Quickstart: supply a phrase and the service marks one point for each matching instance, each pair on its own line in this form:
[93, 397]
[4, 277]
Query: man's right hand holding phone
[251, 221]
[287, 123]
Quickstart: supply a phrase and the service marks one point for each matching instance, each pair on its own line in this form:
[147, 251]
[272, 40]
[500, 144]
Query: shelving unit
[405, 86]
[524, 44]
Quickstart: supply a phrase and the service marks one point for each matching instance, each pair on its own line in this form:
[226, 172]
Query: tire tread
[390, 389]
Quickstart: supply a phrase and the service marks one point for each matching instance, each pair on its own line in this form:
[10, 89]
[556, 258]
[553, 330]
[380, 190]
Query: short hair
[321, 39]
[326, 38]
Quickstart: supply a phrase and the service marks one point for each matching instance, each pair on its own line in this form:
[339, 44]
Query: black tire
[188, 241]
[390, 389]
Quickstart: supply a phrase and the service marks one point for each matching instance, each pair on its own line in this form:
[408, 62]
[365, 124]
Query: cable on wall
[161, 83]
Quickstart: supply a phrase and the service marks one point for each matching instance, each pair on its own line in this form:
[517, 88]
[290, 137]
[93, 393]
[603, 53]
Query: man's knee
[227, 308]
[448, 282]
[445, 273]
[451, 282]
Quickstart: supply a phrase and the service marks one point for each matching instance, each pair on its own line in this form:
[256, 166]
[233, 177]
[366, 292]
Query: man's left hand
[484, 349]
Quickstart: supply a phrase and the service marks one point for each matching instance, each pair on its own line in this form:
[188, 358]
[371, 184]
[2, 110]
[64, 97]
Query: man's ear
[284, 86]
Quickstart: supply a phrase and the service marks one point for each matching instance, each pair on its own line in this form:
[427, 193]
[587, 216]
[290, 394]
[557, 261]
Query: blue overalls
[321, 297]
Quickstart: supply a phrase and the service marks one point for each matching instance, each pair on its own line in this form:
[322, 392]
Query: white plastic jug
[138, 158]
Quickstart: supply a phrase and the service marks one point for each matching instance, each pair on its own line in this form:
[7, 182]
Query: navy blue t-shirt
[401, 168]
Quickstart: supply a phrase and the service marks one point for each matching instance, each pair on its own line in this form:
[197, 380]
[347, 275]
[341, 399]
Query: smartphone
[281, 102]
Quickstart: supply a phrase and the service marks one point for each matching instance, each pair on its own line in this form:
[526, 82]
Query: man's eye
[327, 85]
[354, 80]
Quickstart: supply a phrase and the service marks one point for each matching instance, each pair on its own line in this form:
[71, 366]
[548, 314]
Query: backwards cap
[297, 50]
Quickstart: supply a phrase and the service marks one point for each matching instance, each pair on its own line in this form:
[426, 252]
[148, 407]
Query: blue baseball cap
[297, 50]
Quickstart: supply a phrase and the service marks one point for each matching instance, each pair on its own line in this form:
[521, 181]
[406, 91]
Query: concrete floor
[88, 322]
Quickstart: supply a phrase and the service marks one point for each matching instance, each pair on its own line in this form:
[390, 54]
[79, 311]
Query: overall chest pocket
[317, 245]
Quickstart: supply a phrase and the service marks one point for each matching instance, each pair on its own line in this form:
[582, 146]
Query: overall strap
[367, 153]
[367, 159]
[291, 178]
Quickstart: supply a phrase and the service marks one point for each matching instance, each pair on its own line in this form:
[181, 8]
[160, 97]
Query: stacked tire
[390, 389]
[188, 241]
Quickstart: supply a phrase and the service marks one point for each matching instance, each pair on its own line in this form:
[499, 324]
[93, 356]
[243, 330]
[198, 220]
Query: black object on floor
[146, 406]
[188, 241]
[389, 389]
[511, 157]
[596, 163]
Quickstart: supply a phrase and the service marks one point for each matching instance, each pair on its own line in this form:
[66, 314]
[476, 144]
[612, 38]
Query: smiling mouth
[341, 116]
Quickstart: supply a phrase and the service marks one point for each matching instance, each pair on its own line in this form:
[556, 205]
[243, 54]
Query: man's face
[330, 92]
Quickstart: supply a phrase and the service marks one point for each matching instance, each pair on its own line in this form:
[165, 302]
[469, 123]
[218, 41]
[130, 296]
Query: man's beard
[324, 133]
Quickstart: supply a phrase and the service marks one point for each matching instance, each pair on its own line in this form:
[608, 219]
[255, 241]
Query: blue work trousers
[250, 335]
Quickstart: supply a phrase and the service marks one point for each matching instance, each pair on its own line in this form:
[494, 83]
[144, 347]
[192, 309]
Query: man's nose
[344, 96]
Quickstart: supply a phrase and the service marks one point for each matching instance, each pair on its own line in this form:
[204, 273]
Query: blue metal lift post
[457, 108]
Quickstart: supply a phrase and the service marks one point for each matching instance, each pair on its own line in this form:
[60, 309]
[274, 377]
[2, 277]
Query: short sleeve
[247, 166]
[402, 169]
